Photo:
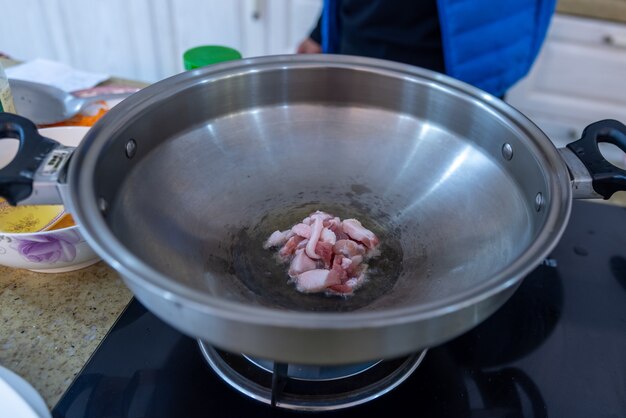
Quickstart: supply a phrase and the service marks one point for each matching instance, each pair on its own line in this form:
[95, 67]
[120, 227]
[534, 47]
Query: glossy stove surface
[556, 348]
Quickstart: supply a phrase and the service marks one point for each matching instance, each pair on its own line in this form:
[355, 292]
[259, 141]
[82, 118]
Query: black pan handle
[606, 178]
[16, 179]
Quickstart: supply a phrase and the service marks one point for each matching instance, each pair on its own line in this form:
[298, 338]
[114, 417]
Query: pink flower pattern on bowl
[60, 247]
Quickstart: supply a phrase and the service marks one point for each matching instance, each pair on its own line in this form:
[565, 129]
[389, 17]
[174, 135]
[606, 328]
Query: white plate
[18, 399]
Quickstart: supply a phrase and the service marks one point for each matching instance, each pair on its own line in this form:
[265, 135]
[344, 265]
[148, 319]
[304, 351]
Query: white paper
[56, 74]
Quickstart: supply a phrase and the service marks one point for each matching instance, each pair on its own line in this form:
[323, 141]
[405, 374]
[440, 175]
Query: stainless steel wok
[177, 187]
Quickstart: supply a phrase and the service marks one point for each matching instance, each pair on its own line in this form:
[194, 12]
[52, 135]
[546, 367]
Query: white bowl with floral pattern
[53, 251]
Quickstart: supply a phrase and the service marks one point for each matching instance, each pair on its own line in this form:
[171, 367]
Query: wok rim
[84, 202]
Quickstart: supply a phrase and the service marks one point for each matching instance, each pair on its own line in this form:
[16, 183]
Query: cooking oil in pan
[261, 271]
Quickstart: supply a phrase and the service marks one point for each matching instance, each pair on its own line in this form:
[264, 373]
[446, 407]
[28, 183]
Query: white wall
[145, 39]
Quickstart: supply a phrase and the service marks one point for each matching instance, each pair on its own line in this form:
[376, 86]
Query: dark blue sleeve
[316, 33]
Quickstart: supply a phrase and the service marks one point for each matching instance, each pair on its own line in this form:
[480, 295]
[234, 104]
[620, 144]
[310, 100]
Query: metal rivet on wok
[131, 148]
[539, 202]
[507, 151]
[102, 204]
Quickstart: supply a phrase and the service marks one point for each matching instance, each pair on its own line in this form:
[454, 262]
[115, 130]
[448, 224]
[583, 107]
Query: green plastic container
[204, 55]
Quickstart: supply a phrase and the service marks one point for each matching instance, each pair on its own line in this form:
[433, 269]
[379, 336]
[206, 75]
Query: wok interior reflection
[197, 206]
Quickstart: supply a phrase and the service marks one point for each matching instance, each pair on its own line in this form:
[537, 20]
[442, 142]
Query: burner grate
[309, 388]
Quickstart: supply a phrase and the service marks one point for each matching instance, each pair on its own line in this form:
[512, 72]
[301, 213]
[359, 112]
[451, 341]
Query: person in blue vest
[489, 44]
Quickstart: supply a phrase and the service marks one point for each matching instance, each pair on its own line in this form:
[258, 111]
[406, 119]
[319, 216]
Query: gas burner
[309, 388]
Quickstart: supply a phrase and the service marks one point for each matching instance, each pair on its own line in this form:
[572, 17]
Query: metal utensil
[45, 104]
[178, 186]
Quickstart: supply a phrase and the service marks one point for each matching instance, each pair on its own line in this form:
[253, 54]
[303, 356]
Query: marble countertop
[51, 323]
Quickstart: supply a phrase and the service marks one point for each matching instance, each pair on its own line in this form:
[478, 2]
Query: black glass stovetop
[557, 348]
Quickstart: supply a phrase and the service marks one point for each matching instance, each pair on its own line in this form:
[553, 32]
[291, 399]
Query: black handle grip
[607, 179]
[16, 179]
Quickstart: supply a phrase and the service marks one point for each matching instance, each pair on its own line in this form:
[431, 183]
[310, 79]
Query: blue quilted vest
[489, 44]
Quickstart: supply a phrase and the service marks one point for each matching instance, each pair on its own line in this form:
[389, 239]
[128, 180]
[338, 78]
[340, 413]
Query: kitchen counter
[614, 10]
[51, 323]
